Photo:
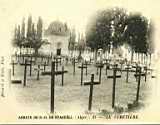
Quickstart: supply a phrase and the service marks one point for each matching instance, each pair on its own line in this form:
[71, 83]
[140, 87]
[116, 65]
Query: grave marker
[107, 67]
[57, 73]
[146, 71]
[31, 66]
[56, 62]
[139, 81]
[52, 86]
[91, 83]
[25, 73]
[38, 70]
[44, 66]
[127, 69]
[53, 73]
[86, 64]
[136, 67]
[13, 64]
[82, 67]
[27, 64]
[99, 66]
[74, 65]
[114, 83]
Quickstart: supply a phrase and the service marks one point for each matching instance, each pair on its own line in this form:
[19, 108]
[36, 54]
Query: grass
[72, 97]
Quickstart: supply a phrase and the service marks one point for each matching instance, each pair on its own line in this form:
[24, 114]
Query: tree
[106, 26]
[136, 33]
[17, 40]
[151, 45]
[39, 28]
[14, 41]
[33, 38]
[29, 27]
[72, 41]
[37, 40]
[23, 30]
[81, 45]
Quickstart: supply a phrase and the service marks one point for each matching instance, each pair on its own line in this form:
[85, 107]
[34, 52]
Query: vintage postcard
[79, 61]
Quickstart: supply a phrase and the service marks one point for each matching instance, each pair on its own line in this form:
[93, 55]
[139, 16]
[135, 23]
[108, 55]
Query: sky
[75, 12]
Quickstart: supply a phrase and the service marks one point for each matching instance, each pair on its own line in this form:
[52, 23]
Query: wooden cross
[86, 64]
[28, 64]
[56, 62]
[91, 83]
[139, 82]
[13, 64]
[38, 70]
[114, 83]
[107, 67]
[82, 67]
[136, 67]
[44, 66]
[121, 63]
[31, 66]
[127, 69]
[25, 73]
[74, 65]
[61, 73]
[146, 72]
[60, 60]
[99, 66]
[53, 73]
[57, 73]
[52, 86]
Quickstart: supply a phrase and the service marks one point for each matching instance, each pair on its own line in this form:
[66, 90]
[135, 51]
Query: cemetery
[61, 78]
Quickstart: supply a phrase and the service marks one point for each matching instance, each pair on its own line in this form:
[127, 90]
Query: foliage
[117, 26]
[136, 33]
[81, 43]
[106, 26]
[32, 38]
[72, 40]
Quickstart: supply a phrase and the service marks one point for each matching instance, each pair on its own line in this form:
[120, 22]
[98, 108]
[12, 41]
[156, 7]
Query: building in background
[58, 35]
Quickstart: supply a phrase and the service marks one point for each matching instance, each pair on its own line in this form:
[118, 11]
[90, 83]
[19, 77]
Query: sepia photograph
[79, 61]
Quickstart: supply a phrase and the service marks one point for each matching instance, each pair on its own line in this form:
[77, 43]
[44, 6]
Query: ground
[72, 97]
